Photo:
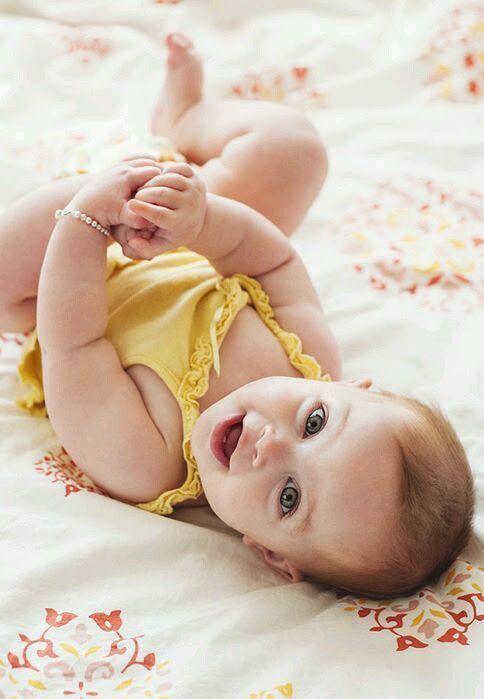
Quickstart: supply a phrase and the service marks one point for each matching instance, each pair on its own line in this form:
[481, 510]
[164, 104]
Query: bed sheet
[98, 598]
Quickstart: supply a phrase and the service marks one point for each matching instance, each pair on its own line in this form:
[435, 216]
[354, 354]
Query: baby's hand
[123, 235]
[175, 202]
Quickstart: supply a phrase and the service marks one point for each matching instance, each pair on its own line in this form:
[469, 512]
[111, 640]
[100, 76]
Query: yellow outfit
[171, 314]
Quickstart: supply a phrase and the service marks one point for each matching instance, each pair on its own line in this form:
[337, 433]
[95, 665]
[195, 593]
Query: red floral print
[454, 56]
[60, 660]
[290, 85]
[443, 615]
[87, 45]
[415, 236]
[60, 468]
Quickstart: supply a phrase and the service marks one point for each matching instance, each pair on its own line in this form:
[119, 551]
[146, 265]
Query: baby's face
[316, 467]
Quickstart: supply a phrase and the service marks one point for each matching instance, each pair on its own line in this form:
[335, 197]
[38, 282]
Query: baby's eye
[289, 497]
[316, 420]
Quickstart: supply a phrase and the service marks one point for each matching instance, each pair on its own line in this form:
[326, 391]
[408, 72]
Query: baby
[197, 367]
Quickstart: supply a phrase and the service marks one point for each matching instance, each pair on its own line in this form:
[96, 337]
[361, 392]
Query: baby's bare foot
[182, 87]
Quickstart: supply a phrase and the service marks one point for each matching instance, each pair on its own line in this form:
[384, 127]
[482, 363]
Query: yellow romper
[171, 314]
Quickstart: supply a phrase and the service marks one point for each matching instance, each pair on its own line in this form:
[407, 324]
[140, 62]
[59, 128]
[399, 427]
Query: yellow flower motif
[468, 266]
[442, 69]
[425, 266]
[456, 243]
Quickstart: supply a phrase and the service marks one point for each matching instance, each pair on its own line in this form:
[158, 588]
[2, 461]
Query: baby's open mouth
[231, 439]
[225, 437]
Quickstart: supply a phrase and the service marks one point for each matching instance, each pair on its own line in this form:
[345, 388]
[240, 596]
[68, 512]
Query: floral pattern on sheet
[292, 85]
[90, 149]
[441, 615]
[86, 44]
[61, 469]
[83, 655]
[411, 235]
[454, 56]
[49, 154]
[279, 690]
[9, 342]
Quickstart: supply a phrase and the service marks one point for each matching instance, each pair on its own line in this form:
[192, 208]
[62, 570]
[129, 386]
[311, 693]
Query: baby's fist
[176, 202]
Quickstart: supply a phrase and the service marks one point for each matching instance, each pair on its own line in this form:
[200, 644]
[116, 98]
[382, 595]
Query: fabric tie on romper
[213, 338]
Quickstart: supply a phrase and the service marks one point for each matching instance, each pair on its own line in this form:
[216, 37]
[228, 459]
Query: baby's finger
[181, 168]
[162, 196]
[171, 179]
[130, 251]
[147, 249]
[131, 219]
[140, 162]
[159, 215]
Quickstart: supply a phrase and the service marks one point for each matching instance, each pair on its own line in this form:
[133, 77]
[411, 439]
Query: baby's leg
[262, 154]
[265, 155]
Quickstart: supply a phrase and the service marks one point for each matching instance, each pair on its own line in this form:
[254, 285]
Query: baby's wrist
[87, 205]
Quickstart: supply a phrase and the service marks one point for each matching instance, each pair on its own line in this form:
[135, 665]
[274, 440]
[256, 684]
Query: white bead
[93, 223]
[76, 214]
[58, 213]
[88, 219]
[83, 217]
[99, 227]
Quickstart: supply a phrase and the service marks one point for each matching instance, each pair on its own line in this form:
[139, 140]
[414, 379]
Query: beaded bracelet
[83, 217]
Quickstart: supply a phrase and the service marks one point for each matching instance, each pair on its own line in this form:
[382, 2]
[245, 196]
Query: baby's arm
[96, 409]
[237, 239]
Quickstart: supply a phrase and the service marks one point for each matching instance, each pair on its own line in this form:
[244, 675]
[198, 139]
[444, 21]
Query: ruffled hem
[291, 343]
[193, 386]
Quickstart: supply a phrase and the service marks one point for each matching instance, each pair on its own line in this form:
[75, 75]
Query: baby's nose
[267, 448]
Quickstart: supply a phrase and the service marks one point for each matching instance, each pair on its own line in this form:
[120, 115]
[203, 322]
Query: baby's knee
[302, 153]
[309, 148]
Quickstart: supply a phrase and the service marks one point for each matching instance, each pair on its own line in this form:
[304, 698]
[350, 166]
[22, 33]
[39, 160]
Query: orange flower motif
[405, 642]
[453, 635]
[53, 618]
[108, 622]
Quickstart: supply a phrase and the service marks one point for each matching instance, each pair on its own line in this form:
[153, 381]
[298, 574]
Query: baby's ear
[278, 563]
[360, 383]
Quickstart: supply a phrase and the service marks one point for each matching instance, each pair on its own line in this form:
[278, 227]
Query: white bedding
[98, 596]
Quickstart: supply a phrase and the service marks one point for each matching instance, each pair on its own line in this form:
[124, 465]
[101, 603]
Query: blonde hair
[436, 512]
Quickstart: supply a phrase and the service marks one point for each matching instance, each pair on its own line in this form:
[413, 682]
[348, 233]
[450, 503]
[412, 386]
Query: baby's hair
[436, 509]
